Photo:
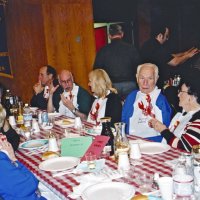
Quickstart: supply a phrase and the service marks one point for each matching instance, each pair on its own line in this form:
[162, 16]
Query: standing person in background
[145, 103]
[47, 75]
[119, 60]
[107, 102]
[154, 51]
[71, 100]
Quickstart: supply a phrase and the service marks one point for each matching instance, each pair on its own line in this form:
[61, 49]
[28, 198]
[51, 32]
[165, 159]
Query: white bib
[71, 96]
[139, 121]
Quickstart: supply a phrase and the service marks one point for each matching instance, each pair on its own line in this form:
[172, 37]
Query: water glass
[91, 161]
[145, 182]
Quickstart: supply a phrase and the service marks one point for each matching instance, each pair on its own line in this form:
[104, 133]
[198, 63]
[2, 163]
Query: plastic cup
[135, 151]
[166, 187]
[123, 161]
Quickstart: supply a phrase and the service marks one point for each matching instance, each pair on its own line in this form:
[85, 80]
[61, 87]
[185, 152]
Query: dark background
[182, 16]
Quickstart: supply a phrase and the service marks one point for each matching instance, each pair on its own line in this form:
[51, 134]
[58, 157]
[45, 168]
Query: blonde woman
[107, 102]
[5, 128]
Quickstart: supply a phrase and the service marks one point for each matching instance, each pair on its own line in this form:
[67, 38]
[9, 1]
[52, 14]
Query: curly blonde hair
[101, 81]
[2, 115]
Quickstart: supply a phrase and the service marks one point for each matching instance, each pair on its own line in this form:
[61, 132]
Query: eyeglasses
[179, 91]
[66, 81]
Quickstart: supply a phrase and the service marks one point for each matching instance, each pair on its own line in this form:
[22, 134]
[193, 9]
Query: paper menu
[75, 147]
[97, 146]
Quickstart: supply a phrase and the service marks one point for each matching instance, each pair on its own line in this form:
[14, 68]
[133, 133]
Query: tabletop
[62, 186]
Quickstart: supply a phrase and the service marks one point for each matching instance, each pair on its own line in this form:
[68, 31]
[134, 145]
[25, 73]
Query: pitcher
[121, 141]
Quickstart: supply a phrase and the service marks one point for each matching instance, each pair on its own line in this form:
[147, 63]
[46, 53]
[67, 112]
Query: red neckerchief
[94, 115]
[148, 109]
[70, 97]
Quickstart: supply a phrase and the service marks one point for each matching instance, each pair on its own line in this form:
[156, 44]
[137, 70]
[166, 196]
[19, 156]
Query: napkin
[84, 167]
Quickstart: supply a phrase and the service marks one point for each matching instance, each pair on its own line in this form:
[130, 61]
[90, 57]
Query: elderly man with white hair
[146, 103]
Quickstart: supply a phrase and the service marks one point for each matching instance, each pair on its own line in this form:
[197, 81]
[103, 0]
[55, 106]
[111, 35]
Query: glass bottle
[182, 180]
[20, 118]
[121, 141]
[27, 115]
[8, 101]
[196, 168]
[106, 130]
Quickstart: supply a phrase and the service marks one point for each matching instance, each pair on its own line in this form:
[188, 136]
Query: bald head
[66, 80]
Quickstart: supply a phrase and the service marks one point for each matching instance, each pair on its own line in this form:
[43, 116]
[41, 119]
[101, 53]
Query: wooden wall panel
[70, 36]
[26, 44]
[55, 32]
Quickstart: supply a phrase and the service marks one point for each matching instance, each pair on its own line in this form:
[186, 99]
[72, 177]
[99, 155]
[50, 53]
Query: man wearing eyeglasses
[71, 100]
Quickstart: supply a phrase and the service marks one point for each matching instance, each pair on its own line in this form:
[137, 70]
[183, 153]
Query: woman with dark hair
[184, 130]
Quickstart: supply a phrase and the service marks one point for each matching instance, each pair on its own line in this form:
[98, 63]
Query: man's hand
[38, 88]
[66, 102]
[52, 89]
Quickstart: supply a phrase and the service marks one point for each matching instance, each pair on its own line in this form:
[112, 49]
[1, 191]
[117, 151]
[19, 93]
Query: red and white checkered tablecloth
[62, 185]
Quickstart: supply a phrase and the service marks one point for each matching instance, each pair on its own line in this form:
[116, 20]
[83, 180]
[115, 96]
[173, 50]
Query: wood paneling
[55, 32]
[69, 36]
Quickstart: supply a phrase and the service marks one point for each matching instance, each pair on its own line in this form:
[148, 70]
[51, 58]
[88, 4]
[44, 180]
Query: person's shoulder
[83, 90]
[196, 116]
[3, 156]
[132, 94]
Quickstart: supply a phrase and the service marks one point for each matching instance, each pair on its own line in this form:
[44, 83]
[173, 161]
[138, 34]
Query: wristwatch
[74, 111]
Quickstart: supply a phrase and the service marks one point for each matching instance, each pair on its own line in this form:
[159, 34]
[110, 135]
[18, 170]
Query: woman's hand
[157, 125]
[6, 146]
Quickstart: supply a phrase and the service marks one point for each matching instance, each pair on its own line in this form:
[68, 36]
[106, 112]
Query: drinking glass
[91, 161]
[145, 182]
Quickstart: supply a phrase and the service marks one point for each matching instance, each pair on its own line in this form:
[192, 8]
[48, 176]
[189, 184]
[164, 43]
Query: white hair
[153, 66]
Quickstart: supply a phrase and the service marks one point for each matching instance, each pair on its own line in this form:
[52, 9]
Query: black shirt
[154, 52]
[119, 60]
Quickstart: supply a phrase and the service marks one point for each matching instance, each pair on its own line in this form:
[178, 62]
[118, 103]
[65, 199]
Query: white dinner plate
[59, 164]
[64, 123]
[55, 114]
[109, 191]
[153, 148]
[47, 127]
[34, 144]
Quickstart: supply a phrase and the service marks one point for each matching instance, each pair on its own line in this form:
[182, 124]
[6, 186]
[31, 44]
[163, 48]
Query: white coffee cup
[135, 151]
[12, 121]
[77, 123]
[166, 187]
[123, 161]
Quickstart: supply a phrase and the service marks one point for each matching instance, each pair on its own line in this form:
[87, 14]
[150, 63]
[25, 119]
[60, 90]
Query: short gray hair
[153, 66]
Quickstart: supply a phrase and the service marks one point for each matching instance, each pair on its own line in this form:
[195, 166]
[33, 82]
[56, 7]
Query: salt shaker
[53, 146]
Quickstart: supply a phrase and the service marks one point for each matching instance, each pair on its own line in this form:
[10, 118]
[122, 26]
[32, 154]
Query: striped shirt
[190, 137]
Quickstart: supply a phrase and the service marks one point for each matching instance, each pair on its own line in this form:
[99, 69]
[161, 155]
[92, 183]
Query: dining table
[63, 185]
